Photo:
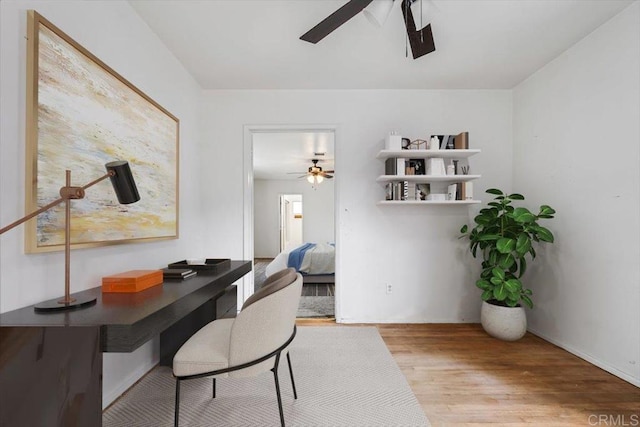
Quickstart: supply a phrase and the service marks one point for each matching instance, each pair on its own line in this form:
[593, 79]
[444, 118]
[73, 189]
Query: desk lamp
[126, 191]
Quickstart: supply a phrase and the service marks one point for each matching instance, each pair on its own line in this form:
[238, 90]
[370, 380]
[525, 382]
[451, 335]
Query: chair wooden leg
[293, 382]
[214, 388]
[177, 407]
[275, 377]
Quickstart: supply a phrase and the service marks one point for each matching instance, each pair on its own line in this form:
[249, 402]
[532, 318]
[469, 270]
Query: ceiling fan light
[319, 178]
[310, 179]
[378, 11]
[423, 11]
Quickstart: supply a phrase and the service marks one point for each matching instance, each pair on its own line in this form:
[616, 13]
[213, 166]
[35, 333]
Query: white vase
[505, 323]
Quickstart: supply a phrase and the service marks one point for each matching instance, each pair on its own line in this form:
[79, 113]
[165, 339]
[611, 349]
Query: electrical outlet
[389, 288]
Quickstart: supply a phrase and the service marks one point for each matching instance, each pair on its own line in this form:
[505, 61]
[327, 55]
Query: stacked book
[177, 273]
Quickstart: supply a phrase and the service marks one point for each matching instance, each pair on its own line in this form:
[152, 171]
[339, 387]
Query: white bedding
[320, 259]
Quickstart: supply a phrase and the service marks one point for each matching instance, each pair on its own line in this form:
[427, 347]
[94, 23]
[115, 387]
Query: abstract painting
[81, 114]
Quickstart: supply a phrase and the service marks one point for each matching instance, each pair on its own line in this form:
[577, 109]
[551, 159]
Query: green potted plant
[504, 236]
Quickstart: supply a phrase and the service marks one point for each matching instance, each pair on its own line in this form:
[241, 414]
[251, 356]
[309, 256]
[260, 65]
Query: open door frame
[248, 232]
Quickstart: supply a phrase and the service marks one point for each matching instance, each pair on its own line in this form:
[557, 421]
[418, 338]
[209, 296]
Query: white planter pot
[505, 323]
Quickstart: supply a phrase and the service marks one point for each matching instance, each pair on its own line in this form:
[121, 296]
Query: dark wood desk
[51, 364]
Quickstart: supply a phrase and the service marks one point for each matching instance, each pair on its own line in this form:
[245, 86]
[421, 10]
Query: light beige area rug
[345, 377]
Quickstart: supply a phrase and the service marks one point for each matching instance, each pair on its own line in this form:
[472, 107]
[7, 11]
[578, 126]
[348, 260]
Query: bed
[315, 261]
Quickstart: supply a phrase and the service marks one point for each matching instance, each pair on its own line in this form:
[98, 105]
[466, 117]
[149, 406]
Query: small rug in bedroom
[345, 377]
[316, 307]
[317, 299]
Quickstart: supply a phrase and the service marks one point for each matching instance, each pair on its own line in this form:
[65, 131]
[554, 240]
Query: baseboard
[109, 398]
[594, 361]
[398, 321]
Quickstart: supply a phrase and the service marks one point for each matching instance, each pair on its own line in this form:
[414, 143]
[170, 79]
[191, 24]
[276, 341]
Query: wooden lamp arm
[66, 193]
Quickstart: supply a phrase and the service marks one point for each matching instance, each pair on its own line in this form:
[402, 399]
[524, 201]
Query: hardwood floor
[461, 376]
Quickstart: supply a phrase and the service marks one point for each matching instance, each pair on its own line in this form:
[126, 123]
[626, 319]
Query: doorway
[296, 182]
[290, 221]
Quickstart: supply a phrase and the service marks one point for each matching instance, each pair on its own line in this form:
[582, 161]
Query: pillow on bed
[274, 283]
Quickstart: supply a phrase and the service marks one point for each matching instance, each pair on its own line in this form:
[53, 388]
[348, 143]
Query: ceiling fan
[315, 174]
[421, 40]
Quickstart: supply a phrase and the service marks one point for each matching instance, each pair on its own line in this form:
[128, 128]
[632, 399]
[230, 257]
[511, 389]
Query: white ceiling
[276, 155]
[480, 44]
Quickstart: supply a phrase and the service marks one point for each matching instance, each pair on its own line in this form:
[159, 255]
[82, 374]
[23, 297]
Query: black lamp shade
[123, 182]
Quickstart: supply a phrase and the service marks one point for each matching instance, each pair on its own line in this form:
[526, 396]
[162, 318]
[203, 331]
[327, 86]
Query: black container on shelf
[210, 266]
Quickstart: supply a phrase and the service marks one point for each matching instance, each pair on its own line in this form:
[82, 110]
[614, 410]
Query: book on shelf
[411, 191]
[394, 166]
[450, 145]
[452, 191]
[468, 190]
[178, 273]
[461, 141]
[460, 191]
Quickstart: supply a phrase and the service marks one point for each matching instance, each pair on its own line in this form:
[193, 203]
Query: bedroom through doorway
[293, 213]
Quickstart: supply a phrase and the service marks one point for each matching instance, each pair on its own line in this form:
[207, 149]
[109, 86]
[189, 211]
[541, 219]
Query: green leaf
[523, 266]
[523, 244]
[493, 211]
[495, 191]
[514, 268]
[523, 215]
[506, 245]
[513, 285]
[493, 258]
[487, 237]
[546, 210]
[527, 301]
[544, 234]
[464, 229]
[506, 261]
[483, 219]
[512, 302]
[484, 284]
[487, 295]
[496, 281]
[500, 293]
[516, 196]
[498, 272]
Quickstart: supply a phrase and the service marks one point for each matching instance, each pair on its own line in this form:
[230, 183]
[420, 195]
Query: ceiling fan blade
[421, 41]
[333, 21]
[328, 176]
[329, 171]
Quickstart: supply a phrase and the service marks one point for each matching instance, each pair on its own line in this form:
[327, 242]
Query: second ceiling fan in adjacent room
[315, 174]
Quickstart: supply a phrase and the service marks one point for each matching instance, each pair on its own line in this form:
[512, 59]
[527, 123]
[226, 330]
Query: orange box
[132, 281]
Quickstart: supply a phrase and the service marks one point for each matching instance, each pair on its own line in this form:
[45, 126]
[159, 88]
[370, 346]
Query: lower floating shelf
[429, 202]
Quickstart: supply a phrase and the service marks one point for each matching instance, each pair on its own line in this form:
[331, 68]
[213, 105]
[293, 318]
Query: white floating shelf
[425, 154]
[428, 202]
[425, 179]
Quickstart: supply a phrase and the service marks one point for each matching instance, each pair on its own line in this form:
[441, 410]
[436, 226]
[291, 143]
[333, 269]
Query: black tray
[211, 265]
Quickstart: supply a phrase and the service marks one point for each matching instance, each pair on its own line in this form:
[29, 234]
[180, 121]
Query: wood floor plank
[463, 377]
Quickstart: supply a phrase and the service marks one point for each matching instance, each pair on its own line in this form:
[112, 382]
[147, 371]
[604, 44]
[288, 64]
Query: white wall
[576, 136]
[317, 215]
[114, 33]
[413, 247]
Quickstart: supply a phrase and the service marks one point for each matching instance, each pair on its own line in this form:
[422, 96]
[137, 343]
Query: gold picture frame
[82, 114]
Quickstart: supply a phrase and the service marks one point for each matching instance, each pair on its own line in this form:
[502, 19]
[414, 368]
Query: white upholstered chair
[248, 345]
